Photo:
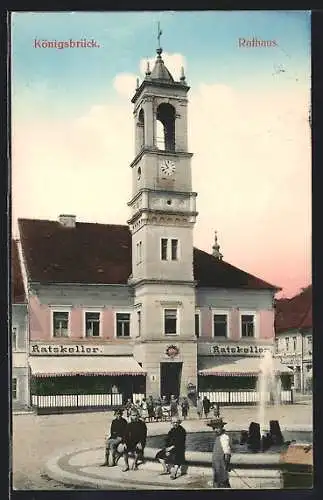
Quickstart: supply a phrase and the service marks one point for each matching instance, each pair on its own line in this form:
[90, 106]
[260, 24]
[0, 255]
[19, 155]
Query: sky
[73, 131]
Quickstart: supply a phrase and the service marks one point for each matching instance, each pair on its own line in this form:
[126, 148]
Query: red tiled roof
[17, 285]
[101, 253]
[294, 313]
[212, 272]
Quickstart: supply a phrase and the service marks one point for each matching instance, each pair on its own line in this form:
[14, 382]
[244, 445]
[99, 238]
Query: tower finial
[148, 72]
[216, 247]
[159, 34]
[182, 78]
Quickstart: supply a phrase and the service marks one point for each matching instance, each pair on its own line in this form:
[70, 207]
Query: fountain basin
[199, 449]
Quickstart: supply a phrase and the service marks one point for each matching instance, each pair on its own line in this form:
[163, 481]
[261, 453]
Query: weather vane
[159, 34]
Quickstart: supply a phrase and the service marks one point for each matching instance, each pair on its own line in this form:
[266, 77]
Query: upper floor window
[139, 323]
[139, 252]
[174, 249]
[92, 324]
[197, 325]
[247, 325]
[60, 323]
[220, 325]
[287, 343]
[169, 249]
[14, 338]
[309, 343]
[294, 343]
[123, 324]
[170, 322]
[163, 249]
[14, 388]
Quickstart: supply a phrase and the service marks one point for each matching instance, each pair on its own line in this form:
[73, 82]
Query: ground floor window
[125, 385]
[213, 383]
[14, 388]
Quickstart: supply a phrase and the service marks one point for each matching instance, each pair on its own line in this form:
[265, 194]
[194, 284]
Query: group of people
[205, 406]
[128, 439]
[158, 410]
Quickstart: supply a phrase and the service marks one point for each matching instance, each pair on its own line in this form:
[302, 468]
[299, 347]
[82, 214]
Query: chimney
[67, 220]
[216, 248]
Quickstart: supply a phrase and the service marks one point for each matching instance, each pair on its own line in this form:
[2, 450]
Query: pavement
[66, 451]
[82, 466]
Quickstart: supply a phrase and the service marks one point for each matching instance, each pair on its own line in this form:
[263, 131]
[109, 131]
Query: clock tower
[163, 214]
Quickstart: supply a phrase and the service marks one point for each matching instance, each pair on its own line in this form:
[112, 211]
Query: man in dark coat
[135, 437]
[117, 430]
[206, 406]
[172, 457]
[221, 455]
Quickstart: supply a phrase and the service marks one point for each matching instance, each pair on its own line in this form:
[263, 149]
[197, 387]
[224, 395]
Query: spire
[216, 247]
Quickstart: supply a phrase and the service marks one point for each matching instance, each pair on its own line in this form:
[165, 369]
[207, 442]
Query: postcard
[161, 239]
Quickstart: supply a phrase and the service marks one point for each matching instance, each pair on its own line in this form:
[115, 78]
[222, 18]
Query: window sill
[171, 334]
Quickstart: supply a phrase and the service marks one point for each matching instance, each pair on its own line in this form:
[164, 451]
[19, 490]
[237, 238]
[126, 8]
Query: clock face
[167, 167]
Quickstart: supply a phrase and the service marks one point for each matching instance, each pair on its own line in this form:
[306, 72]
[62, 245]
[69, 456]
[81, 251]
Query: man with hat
[221, 454]
[117, 431]
[172, 457]
[135, 437]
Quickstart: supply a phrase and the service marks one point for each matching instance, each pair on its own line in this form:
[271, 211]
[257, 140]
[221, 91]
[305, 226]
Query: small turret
[216, 247]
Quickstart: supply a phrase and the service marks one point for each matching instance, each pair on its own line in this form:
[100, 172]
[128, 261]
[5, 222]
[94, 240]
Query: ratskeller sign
[240, 349]
[65, 349]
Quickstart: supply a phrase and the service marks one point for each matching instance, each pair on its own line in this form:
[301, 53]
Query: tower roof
[160, 72]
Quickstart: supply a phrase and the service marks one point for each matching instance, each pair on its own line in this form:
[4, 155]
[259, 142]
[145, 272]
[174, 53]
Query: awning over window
[236, 367]
[47, 366]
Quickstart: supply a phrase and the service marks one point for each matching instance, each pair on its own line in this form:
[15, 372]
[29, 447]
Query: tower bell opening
[165, 127]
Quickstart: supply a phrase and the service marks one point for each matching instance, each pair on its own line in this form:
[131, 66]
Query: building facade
[19, 335]
[294, 337]
[136, 309]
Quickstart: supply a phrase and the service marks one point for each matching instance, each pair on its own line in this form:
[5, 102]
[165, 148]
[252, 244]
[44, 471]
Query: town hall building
[118, 311]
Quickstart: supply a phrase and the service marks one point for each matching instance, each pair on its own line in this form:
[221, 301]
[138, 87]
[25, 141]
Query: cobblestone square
[37, 437]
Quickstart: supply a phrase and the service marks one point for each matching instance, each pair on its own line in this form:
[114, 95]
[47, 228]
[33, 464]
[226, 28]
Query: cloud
[251, 169]
[125, 84]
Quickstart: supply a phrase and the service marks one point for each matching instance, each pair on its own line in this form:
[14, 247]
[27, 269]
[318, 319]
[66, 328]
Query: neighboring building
[19, 335]
[293, 326]
[137, 307]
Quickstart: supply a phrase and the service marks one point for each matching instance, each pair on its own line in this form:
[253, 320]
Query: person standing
[144, 409]
[150, 409]
[128, 407]
[173, 406]
[117, 431]
[172, 457]
[158, 411]
[185, 408]
[221, 455]
[199, 407]
[206, 406]
[135, 437]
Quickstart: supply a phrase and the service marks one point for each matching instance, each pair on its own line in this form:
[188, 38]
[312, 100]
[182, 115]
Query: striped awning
[47, 366]
[237, 367]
